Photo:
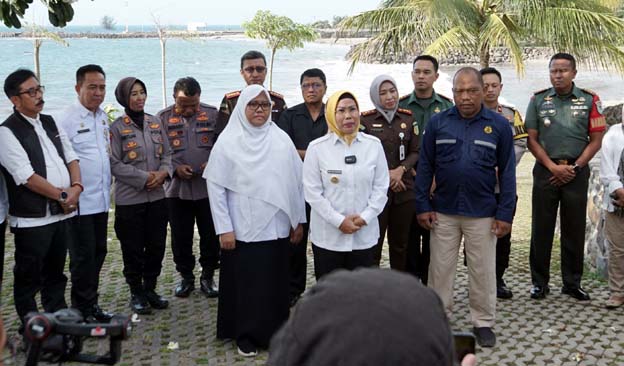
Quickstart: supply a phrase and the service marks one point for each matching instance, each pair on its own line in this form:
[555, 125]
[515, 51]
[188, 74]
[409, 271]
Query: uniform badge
[174, 120]
[403, 126]
[103, 123]
[334, 179]
[126, 120]
[547, 122]
[487, 129]
[436, 110]
[202, 118]
[154, 126]
[548, 98]
[599, 106]
[375, 125]
[582, 99]
[416, 131]
[176, 142]
[131, 145]
[132, 155]
[177, 110]
[126, 131]
[205, 139]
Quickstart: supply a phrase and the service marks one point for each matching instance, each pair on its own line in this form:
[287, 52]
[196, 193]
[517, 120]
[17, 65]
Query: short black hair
[469, 70]
[188, 85]
[563, 56]
[15, 79]
[252, 55]
[313, 73]
[83, 70]
[429, 58]
[491, 70]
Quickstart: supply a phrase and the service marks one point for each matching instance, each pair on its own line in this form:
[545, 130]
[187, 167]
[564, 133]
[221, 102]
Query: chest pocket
[177, 139]
[204, 137]
[82, 137]
[483, 153]
[132, 151]
[157, 140]
[447, 150]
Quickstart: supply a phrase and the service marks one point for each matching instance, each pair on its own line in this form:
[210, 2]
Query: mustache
[40, 103]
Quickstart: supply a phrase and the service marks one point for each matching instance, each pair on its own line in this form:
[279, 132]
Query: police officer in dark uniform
[492, 80]
[190, 127]
[304, 123]
[140, 162]
[424, 102]
[565, 126]
[254, 71]
[397, 130]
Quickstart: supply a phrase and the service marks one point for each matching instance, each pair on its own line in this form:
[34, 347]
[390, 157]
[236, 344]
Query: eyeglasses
[471, 91]
[258, 69]
[262, 105]
[33, 91]
[315, 86]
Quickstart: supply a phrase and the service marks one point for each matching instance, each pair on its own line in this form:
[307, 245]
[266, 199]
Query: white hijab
[374, 94]
[257, 162]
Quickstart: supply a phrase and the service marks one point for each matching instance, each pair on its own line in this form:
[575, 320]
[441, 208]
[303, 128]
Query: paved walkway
[555, 331]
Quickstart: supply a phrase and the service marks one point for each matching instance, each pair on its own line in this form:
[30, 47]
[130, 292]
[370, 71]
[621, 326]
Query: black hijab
[122, 93]
[365, 317]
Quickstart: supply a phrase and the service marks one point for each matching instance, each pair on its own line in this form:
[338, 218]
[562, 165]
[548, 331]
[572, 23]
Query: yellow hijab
[330, 116]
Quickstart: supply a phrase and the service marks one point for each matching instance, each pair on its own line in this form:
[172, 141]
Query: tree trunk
[271, 68]
[37, 46]
[484, 56]
[163, 53]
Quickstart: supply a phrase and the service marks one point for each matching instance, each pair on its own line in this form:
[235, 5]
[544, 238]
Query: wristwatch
[63, 197]
[576, 168]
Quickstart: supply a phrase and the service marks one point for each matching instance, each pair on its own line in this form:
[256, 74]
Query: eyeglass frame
[32, 92]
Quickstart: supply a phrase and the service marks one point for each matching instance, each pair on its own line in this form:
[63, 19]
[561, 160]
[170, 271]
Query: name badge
[402, 152]
[84, 130]
[334, 172]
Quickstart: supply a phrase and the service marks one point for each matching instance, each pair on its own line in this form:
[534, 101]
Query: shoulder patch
[232, 94]
[508, 106]
[588, 91]
[540, 91]
[275, 94]
[405, 97]
[445, 97]
[369, 112]
[406, 111]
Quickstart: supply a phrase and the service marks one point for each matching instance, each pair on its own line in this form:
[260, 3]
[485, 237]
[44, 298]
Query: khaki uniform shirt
[134, 153]
[191, 140]
[396, 136]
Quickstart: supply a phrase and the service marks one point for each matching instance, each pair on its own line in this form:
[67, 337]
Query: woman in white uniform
[345, 177]
[256, 198]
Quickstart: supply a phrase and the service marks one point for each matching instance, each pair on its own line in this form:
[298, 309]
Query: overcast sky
[226, 12]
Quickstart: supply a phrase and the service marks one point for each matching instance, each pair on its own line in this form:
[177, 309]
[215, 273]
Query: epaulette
[406, 111]
[204, 105]
[405, 97]
[368, 113]
[508, 106]
[445, 97]
[588, 91]
[233, 94]
[540, 91]
[276, 94]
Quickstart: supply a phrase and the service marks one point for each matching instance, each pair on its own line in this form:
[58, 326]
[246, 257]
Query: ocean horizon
[215, 63]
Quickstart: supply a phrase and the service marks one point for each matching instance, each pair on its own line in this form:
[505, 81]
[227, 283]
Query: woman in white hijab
[256, 198]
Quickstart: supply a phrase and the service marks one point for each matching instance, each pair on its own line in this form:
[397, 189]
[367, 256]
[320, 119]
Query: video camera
[59, 337]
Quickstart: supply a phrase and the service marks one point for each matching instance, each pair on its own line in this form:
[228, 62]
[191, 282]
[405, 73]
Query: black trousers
[546, 199]
[86, 257]
[39, 262]
[2, 235]
[142, 232]
[299, 261]
[418, 255]
[326, 261]
[183, 214]
[396, 218]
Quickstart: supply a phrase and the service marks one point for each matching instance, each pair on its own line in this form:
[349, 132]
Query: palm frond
[501, 30]
[456, 39]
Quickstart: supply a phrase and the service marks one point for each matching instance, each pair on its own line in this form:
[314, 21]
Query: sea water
[215, 63]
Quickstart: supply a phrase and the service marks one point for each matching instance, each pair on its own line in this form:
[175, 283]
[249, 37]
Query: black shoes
[246, 348]
[485, 336]
[208, 287]
[139, 304]
[155, 300]
[185, 288]
[539, 292]
[95, 314]
[577, 293]
[502, 291]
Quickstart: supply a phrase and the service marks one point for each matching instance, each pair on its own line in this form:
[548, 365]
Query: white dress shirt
[610, 156]
[4, 199]
[232, 211]
[335, 189]
[15, 159]
[90, 139]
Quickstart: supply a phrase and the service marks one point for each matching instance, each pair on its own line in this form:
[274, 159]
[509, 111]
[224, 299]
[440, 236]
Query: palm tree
[588, 29]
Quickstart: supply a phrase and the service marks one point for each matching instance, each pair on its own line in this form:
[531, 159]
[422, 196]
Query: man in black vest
[43, 183]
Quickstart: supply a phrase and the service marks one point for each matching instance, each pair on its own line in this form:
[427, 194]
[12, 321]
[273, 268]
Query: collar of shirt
[484, 113]
[576, 92]
[302, 109]
[434, 96]
[84, 112]
[33, 121]
[337, 139]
